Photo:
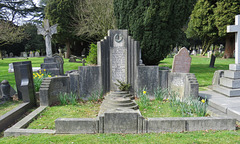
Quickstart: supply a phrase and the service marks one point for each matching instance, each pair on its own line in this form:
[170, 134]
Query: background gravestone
[31, 54]
[37, 54]
[182, 61]
[24, 81]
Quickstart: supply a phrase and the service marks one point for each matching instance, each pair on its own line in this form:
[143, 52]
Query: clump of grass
[160, 94]
[144, 99]
[96, 96]
[188, 106]
[68, 98]
[38, 78]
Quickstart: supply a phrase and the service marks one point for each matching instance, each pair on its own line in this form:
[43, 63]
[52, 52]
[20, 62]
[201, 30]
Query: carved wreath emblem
[118, 38]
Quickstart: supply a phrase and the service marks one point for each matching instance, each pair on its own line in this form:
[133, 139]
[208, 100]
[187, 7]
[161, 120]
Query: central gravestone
[118, 56]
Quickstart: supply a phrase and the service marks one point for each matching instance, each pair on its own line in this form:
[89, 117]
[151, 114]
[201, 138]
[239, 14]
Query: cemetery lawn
[36, 62]
[200, 67]
[158, 108]
[8, 106]
[169, 138]
[81, 110]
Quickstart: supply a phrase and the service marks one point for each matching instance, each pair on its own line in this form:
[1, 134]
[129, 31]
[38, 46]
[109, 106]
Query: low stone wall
[86, 81]
[185, 84]
[51, 88]
[116, 122]
[10, 117]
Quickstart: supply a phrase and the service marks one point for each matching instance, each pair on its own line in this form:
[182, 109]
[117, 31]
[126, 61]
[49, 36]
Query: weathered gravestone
[49, 62]
[230, 82]
[194, 53]
[25, 55]
[30, 54]
[37, 54]
[10, 54]
[182, 61]
[24, 81]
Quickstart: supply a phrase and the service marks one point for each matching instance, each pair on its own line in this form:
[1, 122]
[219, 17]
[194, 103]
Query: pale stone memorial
[50, 63]
[47, 32]
[230, 82]
[182, 61]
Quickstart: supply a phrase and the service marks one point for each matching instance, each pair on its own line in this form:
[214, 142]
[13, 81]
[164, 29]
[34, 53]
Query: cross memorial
[236, 29]
[47, 32]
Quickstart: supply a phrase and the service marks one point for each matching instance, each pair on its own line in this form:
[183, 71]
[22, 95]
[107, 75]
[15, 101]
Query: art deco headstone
[24, 81]
[182, 61]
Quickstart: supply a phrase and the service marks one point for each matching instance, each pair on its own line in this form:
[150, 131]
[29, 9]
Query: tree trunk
[68, 49]
[229, 46]
[1, 54]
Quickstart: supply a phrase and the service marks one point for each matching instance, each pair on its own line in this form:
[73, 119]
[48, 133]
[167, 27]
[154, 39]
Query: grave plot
[119, 60]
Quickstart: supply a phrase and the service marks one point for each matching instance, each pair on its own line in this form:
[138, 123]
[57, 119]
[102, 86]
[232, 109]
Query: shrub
[96, 96]
[68, 98]
[123, 86]
[92, 56]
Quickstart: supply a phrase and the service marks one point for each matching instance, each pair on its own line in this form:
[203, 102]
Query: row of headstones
[195, 52]
[31, 54]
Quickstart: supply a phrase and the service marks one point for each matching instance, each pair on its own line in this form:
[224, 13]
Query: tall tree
[94, 18]
[61, 12]
[157, 24]
[209, 21]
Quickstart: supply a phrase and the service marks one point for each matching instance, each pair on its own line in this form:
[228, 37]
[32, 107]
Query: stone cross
[236, 29]
[47, 32]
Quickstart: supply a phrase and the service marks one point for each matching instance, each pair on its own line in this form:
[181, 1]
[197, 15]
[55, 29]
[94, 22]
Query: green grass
[158, 109]
[8, 106]
[209, 137]
[36, 62]
[81, 110]
[200, 67]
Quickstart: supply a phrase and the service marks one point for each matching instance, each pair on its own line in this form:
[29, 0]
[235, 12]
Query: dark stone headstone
[52, 66]
[5, 89]
[24, 81]
[59, 60]
[212, 62]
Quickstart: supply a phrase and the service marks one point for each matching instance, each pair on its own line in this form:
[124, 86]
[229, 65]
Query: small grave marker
[182, 61]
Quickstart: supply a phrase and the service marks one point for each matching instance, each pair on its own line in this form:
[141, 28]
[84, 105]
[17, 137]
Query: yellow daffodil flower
[144, 92]
[203, 101]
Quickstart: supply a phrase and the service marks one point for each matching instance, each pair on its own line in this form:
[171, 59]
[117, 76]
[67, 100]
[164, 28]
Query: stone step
[232, 74]
[227, 91]
[120, 104]
[230, 83]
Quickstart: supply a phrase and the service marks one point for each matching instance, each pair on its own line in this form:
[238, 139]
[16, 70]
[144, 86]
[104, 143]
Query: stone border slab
[150, 125]
[10, 117]
[17, 129]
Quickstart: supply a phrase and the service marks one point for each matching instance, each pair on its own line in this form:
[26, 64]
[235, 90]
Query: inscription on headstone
[182, 61]
[119, 59]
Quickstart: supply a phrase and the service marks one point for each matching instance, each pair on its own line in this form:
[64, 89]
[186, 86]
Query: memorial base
[50, 66]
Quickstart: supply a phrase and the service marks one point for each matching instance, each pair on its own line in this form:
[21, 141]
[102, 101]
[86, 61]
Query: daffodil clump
[38, 78]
